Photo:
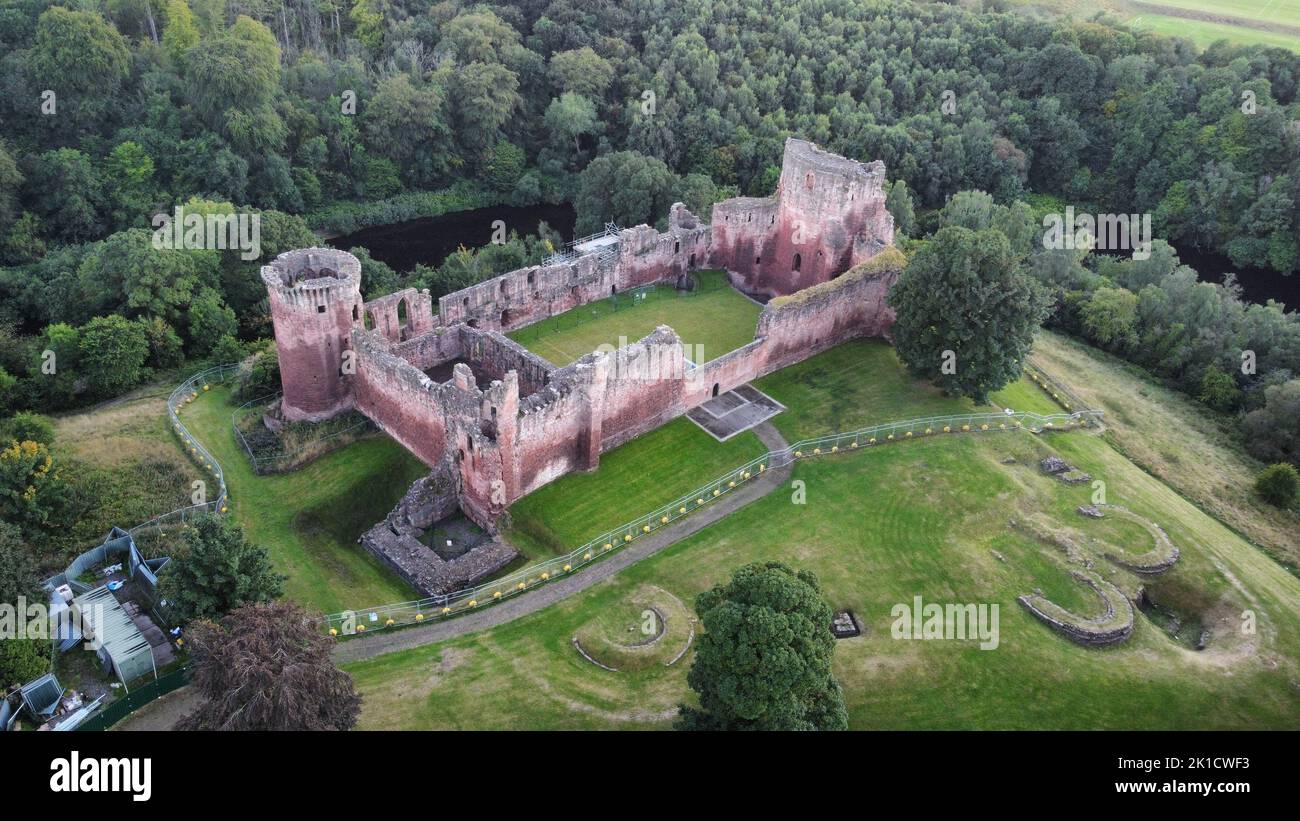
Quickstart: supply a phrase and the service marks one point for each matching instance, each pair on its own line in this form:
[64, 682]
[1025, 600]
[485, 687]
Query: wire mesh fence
[435, 607]
[180, 398]
[295, 444]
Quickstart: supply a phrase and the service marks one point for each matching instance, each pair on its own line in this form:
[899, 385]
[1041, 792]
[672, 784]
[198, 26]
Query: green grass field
[632, 480]
[929, 518]
[714, 321]
[1245, 22]
[309, 520]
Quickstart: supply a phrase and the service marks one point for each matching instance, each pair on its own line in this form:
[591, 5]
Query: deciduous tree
[265, 667]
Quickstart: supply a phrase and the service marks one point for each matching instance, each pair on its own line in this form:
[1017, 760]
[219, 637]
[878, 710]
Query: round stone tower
[315, 297]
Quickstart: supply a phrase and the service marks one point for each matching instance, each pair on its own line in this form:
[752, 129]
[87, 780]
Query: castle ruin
[494, 421]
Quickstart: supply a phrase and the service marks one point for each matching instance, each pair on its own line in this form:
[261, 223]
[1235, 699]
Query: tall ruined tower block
[827, 215]
[315, 297]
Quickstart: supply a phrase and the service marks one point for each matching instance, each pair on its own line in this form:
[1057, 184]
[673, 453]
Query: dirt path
[408, 637]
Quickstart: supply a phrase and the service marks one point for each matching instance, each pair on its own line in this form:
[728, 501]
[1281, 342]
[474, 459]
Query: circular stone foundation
[650, 628]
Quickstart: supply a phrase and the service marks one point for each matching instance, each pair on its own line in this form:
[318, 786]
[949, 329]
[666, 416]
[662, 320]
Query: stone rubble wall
[396, 541]
[1113, 626]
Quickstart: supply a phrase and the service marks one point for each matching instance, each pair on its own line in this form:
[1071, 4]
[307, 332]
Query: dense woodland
[330, 115]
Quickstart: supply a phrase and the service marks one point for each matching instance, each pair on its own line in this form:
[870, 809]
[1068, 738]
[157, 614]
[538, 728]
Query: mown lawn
[309, 520]
[862, 383]
[632, 480]
[712, 322]
[933, 518]
[927, 518]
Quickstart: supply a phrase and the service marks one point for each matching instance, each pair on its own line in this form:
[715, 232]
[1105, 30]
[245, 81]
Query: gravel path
[516, 606]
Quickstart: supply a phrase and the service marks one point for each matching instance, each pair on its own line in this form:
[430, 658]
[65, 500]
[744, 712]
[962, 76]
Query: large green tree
[966, 312]
[217, 570]
[112, 356]
[626, 187]
[764, 659]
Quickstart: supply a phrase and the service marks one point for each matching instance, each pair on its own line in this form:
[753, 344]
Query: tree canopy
[764, 659]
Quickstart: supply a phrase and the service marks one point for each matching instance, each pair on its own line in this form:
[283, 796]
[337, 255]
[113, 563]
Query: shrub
[28, 426]
[1278, 484]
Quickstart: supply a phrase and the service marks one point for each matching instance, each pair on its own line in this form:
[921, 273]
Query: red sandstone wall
[399, 398]
[401, 315]
[552, 437]
[827, 214]
[314, 295]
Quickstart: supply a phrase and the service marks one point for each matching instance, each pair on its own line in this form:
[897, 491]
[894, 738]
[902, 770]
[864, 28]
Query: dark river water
[1257, 284]
[430, 240]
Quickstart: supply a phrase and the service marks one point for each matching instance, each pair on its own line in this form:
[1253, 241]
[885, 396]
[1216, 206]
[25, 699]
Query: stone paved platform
[735, 412]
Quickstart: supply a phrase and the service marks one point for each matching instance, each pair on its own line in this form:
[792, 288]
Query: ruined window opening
[715, 388]
[613, 289]
[320, 309]
[370, 321]
[494, 412]
[530, 277]
[464, 303]
[691, 264]
[677, 247]
[505, 318]
[473, 323]
[798, 261]
[356, 312]
[808, 181]
[402, 317]
[503, 286]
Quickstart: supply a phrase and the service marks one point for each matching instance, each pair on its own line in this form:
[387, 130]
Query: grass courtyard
[929, 518]
[713, 321]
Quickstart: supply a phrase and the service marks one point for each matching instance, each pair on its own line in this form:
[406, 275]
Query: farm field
[930, 518]
[1265, 22]
[713, 321]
